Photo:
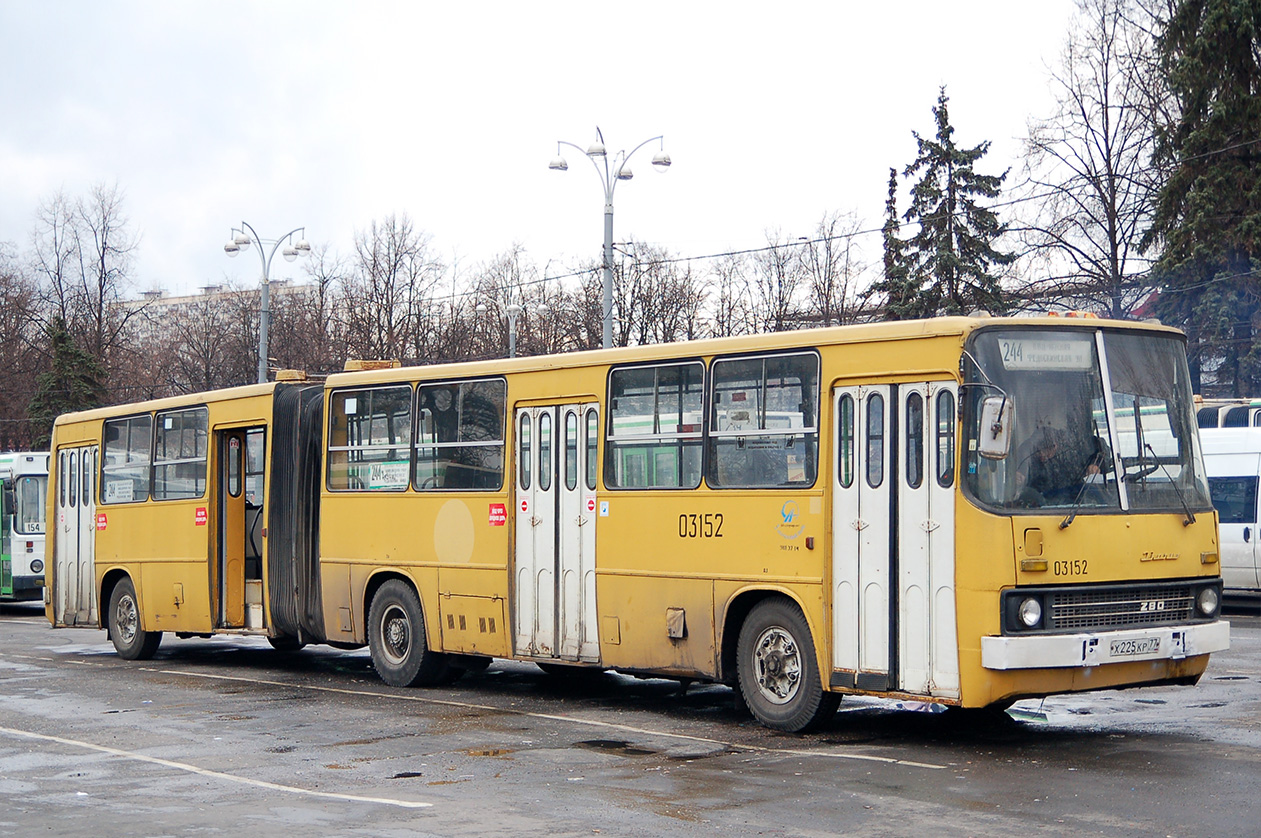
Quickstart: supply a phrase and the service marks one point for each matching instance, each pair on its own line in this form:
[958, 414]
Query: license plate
[1127, 648]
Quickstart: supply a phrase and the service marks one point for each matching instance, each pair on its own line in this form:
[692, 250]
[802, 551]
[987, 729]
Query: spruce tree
[73, 381]
[904, 299]
[949, 257]
[1207, 215]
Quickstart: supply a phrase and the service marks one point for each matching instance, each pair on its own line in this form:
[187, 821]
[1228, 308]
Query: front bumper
[1049, 651]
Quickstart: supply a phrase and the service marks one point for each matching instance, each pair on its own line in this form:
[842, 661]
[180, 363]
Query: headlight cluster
[1208, 601]
[37, 566]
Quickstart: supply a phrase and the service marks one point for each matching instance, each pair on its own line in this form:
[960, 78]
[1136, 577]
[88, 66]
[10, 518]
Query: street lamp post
[241, 240]
[511, 312]
[610, 173]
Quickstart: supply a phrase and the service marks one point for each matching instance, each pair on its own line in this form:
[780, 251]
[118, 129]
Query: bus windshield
[1094, 425]
[31, 490]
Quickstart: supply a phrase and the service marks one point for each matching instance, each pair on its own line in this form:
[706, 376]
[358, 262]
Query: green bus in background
[23, 496]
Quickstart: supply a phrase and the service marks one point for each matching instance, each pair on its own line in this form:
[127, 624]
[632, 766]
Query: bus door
[927, 646]
[554, 579]
[239, 529]
[74, 579]
[893, 539]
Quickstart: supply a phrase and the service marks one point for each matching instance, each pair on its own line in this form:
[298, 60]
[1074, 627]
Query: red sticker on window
[498, 514]
[200, 516]
[101, 521]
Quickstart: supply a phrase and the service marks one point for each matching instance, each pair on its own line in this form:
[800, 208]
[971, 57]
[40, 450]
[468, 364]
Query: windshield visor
[1095, 425]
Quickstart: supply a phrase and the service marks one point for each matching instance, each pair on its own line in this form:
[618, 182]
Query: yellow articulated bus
[962, 511]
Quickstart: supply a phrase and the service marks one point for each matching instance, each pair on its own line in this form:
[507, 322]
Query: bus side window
[593, 447]
[74, 479]
[945, 439]
[875, 440]
[845, 446]
[914, 440]
[524, 457]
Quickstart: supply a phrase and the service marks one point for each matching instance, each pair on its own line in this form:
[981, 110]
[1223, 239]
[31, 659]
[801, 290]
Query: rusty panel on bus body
[460, 540]
[666, 551]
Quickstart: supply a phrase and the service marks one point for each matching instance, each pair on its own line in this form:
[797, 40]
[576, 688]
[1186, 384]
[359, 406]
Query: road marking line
[554, 717]
[183, 766]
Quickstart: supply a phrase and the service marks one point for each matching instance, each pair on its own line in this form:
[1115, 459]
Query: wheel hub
[777, 662]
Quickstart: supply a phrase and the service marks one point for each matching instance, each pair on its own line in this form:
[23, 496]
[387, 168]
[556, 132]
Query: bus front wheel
[131, 641]
[777, 670]
[396, 639]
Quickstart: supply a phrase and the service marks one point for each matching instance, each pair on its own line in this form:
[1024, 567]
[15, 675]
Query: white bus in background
[1232, 458]
[1228, 413]
[24, 484]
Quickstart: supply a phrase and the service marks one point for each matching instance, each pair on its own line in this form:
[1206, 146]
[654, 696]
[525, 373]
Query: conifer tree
[949, 257]
[1207, 215]
[904, 300]
[73, 381]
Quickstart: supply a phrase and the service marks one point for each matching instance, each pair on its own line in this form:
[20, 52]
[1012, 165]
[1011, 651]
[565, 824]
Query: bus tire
[777, 670]
[285, 643]
[396, 639]
[130, 641]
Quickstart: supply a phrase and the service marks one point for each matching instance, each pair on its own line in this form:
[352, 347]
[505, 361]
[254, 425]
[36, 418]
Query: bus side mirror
[10, 499]
[995, 430]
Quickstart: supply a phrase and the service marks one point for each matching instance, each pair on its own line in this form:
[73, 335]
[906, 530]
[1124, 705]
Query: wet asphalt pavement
[227, 736]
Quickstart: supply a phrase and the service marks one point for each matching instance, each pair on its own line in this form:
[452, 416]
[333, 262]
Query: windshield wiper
[1097, 462]
[1190, 519]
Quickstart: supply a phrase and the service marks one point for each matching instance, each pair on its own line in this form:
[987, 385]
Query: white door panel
[893, 538]
[555, 609]
[74, 579]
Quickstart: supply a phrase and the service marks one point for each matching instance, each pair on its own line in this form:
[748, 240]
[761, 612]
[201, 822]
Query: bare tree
[1090, 164]
[389, 289]
[732, 308]
[106, 246]
[832, 264]
[775, 282]
[20, 363]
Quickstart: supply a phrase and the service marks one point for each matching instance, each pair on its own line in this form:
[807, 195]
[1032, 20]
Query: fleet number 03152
[1075, 567]
[708, 525]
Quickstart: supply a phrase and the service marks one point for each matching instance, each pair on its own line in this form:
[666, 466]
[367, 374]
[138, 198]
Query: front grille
[1120, 607]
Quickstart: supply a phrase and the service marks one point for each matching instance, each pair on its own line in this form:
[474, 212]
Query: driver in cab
[1054, 472]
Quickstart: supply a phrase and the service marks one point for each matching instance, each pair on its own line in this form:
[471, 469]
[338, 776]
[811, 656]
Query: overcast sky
[331, 114]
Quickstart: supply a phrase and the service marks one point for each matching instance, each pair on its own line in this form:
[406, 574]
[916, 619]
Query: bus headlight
[37, 566]
[1207, 601]
[1030, 612]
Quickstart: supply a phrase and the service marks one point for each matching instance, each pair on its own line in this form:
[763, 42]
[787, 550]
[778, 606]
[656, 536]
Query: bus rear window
[125, 464]
[655, 423]
[764, 426]
[179, 454]
[370, 439]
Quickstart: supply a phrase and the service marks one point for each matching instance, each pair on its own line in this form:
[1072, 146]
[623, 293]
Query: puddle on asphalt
[406, 775]
[614, 746]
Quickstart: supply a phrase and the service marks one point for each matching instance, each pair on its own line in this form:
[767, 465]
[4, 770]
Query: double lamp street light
[242, 238]
[610, 172]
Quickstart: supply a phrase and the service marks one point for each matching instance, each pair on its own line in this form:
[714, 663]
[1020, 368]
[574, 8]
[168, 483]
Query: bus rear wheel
[130, 641]
[777, 669]
[396, 639]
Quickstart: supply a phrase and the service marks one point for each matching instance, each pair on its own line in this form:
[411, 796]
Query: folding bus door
[927, 652]
[893, 614]
[74, 551]
[554, 610]
[862, 549]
